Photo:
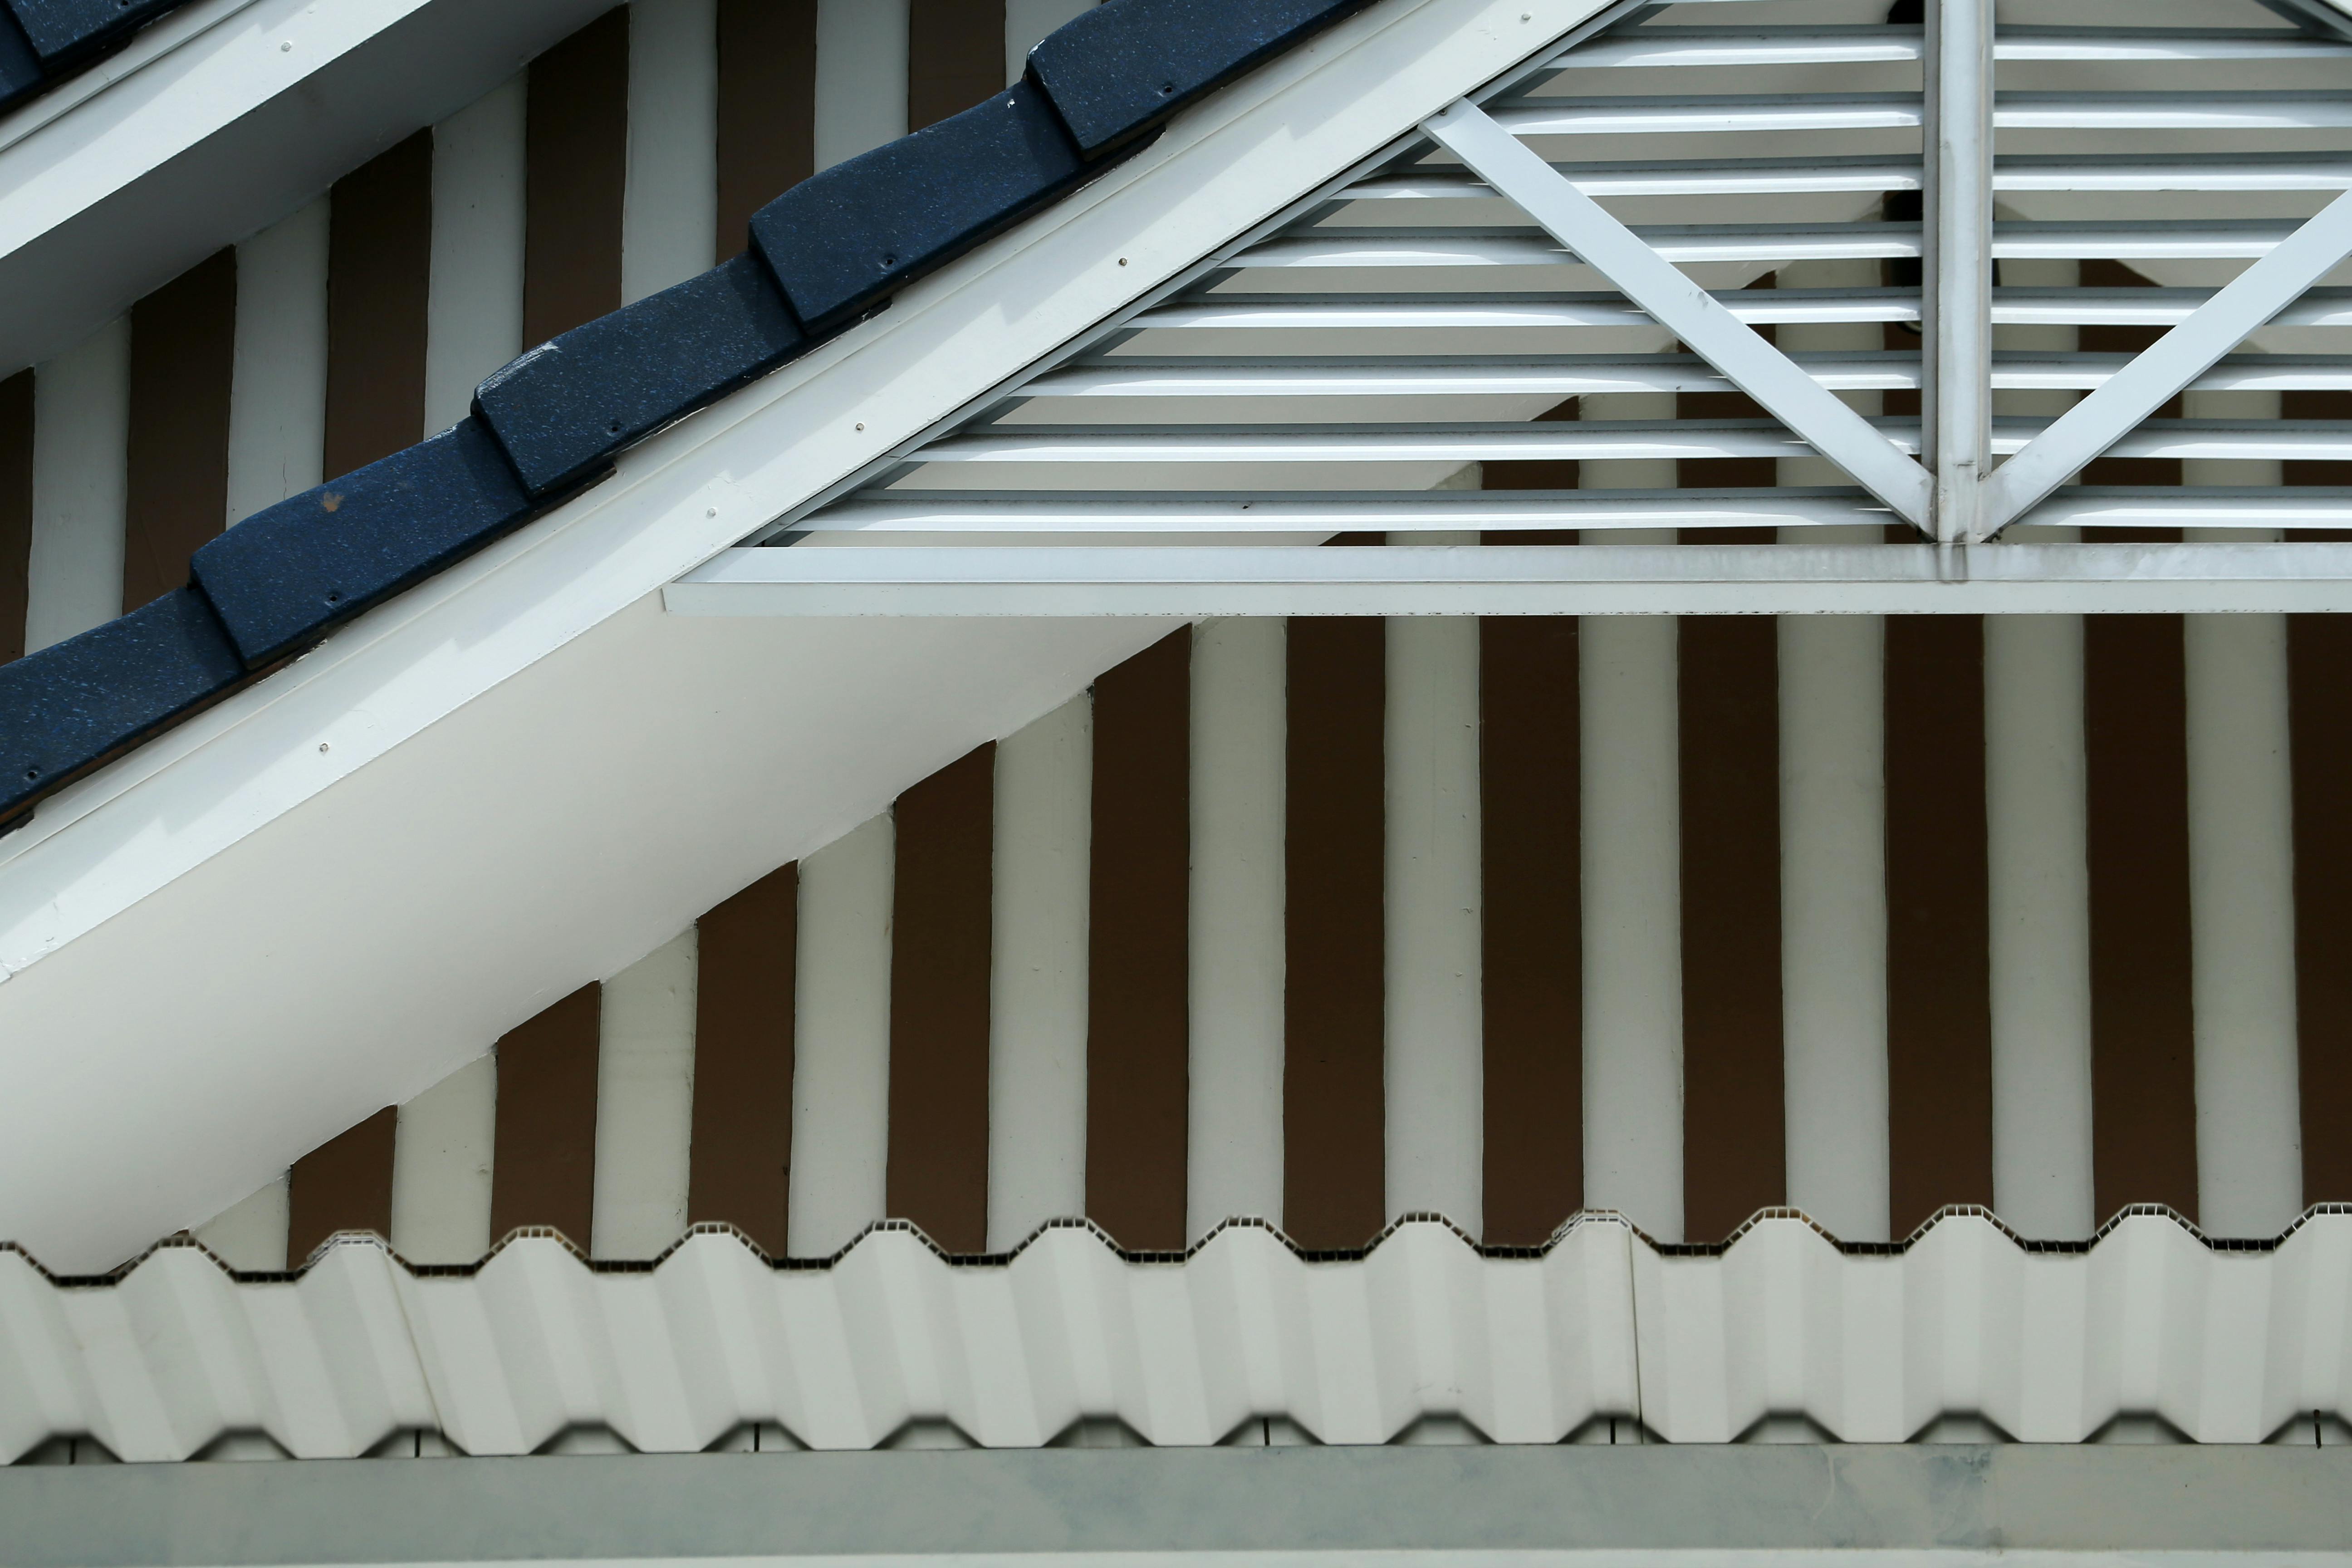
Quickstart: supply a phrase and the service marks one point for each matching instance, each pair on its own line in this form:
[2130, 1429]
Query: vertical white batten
[861, 76]
[644, 1103]
[1433, 1060]
[1026, 24]
[251, 1234]
[2037, 832]
[445, 1144]
[1038, 982]
[841, 1050]
[2241, 887]
[474, 313]
[1833, 919]
[671, 210]
[278, 391]
[1632, 920]
[81, 480]
[1234, 984]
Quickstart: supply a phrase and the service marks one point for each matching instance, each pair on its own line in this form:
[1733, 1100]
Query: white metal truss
[1576, 233]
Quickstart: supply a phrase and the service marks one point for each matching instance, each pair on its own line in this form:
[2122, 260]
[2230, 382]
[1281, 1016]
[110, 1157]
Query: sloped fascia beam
[268, 1021]
[1704, 325]
[2135, 393]
[217, 121]
[1517, 580]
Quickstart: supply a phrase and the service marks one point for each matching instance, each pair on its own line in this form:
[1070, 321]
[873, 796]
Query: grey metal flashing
[1950, 1499]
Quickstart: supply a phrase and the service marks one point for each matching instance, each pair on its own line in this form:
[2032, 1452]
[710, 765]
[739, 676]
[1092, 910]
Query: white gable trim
[322, 895]
[217, 121]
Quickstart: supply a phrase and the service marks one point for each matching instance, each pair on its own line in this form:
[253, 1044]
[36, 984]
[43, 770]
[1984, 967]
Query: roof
[42, 42]
[823, 255]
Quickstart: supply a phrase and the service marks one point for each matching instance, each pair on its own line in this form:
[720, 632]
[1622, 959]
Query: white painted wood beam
[444, 1147]
[671, 208]
[81, 442]
[861, 76]
[278, 391]
[840, 1041]
[644, 1103]
[474, 308]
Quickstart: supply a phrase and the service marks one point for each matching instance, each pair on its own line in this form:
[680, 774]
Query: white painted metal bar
[1631, 793]
[278, 390]
[838, 1184]
[1434, 1067]
[2220, 239]
[2200, 111]
[645, 1102]
[443, 1154]
[1667, 177]
[2217, 172]
[1835, 431]
[81, 444]
[920, 512]
[1714, 116]
[1958, 360]
[1233, 1136]
[1856, 45]
[2094, 425]
[670, 205]
[1037, 973]
[2039, 902]
[473, 313]
[1259, 580]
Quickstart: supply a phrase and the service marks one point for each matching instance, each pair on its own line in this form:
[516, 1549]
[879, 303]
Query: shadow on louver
[823, 255]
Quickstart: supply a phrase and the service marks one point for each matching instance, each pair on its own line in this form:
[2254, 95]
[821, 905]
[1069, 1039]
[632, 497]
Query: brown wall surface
[577, 153]
[2319, 665]
[1532, 928]
[1334, 1136]
[1734, 1135]
[545, 1168]
[767, 108]
[741, 1154]
[16, 510]
[955, 56]
[1939, 919]
[938, 1002]
[1137, 1036]
[379, 273]
[182, 354]
[345, 1183]
[2143, 1070]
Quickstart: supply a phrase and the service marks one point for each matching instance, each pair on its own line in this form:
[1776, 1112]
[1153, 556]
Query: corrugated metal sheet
[2227, 1344]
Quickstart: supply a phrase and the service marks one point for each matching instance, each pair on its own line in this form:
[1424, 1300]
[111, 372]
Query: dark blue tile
[284, 577]
[843, 237]
[71, 706]
[564, 408]
[62, 31]
[20, 68]
[1120, 68]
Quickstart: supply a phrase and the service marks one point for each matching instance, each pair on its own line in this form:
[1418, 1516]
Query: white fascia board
[217, 121]
[314, 898]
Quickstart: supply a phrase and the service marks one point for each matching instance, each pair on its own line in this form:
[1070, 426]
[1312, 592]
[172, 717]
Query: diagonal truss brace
[1755, 366]
[2187, 352]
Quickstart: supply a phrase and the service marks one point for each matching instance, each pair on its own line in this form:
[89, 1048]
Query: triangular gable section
[519, 775]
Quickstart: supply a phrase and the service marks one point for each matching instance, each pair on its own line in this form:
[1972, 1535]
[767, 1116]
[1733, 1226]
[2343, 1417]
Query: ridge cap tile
[66, 34]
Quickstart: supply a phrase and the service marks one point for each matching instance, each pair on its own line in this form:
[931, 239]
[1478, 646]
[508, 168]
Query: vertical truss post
[1957, 412]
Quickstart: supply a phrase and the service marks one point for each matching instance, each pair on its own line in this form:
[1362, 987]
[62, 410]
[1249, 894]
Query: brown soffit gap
[955, 56]
[1334, 1171]
[1533, 926]
[1939, 919]
[345, 1183]
[1139, 875]
[1550, 474]
[767, 108]
[2317, 404]
[2143, 1072]
[16, 510]
[2319, 677]
[741, 1152]
[183, 353]
[544, 1168]
[1734, 1132]
[576, 152]
[938, 1167]
[379, 267]
[2105, 272]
